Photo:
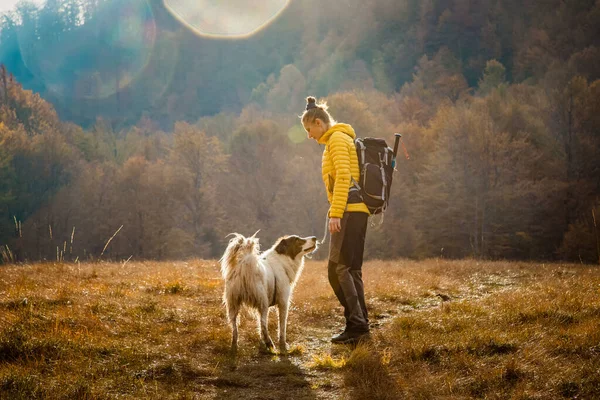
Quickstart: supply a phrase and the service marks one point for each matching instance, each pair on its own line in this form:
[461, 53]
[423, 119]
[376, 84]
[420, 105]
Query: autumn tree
[197, 166]
[488, 184]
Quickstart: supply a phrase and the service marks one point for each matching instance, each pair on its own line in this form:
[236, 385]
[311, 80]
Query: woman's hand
[335, 225]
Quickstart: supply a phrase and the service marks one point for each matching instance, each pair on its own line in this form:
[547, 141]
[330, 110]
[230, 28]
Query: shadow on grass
[262, 376]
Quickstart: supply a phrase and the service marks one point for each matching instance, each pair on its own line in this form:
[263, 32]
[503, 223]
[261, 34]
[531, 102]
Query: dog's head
[294, 246]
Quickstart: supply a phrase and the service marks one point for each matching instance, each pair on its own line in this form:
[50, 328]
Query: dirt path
[298, 376]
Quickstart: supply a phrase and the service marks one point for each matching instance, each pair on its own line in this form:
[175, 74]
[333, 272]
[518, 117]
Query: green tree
[494, 76]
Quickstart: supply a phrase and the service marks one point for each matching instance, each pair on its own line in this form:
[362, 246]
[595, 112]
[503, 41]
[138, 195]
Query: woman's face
[315, 129]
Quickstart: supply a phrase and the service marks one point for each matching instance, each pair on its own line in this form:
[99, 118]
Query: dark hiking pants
[345, 269]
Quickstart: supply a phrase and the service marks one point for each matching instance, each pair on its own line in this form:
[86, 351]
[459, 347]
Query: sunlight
[10, 5]
[125, 41]
[232, 19]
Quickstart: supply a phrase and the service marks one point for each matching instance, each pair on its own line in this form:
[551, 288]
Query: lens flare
[160, 70]
[97, 57]
[231, 19]
[297, 134]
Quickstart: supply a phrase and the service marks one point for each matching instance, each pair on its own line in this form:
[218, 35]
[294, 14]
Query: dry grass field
[441, 329]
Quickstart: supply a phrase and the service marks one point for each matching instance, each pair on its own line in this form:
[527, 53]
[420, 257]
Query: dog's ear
[253, 241]
[282, 246]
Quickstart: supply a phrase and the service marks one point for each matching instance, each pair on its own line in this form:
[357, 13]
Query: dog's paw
[267, 350]
[267, 347]
[283, 349]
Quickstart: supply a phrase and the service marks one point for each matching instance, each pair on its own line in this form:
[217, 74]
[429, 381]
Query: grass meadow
[441, 330]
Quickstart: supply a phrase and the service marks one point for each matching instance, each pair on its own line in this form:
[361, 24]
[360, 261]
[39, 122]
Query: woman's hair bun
[314, 110]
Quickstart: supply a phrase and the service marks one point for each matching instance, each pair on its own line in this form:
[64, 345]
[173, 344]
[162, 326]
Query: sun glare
[11, 5]
[233, 19]
[128, 34]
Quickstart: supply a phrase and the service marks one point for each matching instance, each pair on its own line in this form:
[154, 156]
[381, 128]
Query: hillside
[114, 114]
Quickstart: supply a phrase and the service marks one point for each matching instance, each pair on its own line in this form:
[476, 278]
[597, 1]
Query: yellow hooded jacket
[339, 165]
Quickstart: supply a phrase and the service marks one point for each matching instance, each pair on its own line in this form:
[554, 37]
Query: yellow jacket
[339, 165]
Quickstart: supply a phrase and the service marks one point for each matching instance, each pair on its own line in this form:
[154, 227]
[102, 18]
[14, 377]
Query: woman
[347, 216]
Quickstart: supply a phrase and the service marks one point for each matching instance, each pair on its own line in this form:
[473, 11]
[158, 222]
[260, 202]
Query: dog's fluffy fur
[261, 280]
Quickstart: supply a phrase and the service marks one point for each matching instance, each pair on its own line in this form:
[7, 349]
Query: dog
[262, 280]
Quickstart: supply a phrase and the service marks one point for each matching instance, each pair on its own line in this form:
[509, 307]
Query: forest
[125, 134]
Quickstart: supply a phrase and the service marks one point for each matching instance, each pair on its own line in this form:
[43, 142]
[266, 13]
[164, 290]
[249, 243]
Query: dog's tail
[240, 250]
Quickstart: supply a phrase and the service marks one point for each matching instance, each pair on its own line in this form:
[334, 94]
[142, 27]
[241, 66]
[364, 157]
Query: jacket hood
[339, 127]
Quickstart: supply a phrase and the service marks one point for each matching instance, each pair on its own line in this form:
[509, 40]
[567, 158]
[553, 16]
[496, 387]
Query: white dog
[262, 280]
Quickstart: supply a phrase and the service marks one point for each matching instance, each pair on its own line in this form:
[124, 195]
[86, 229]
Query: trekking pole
[399, 140]
[396, 142]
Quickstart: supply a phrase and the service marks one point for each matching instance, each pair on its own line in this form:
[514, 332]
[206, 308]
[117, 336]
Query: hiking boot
[348, 337]
[340, 338]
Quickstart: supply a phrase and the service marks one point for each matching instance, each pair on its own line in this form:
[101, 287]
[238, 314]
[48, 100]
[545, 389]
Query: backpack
[376, 161]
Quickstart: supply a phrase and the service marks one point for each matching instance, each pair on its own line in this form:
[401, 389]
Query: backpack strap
[384, 186]
[383, 176]
[362, 147]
